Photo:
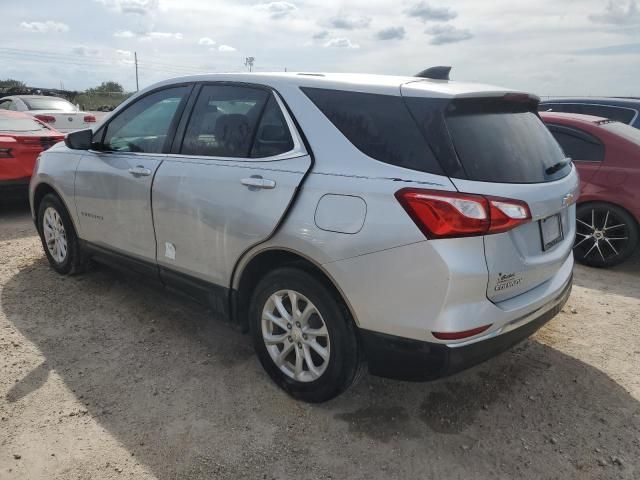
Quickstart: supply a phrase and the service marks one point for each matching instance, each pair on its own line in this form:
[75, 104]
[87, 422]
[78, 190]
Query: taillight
[89, 119]
[5, 153]
[46, 118]
[441, 214]
[460, 335]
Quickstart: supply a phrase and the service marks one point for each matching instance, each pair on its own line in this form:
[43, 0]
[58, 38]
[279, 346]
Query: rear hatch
[494, 144]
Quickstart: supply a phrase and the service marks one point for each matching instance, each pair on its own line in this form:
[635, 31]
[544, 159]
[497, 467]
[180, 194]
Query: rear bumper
[414, 360]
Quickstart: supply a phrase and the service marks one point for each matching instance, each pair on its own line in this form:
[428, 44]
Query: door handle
[258, 182]
[140, 171]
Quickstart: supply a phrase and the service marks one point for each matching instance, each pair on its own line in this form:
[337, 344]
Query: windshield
[49, 103]
[19, 125]
[627, 132]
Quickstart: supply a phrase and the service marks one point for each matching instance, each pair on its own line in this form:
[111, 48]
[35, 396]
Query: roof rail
[435, 73]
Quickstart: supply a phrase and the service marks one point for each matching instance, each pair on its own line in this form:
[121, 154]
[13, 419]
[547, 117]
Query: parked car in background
[22, 139]
[57, 112]
[416, 227]
[607, 155]
[623, 110]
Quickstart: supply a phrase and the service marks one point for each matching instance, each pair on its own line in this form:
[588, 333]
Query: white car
[64, 116]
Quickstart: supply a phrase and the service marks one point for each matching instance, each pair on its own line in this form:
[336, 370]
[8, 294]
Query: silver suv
[411, 226]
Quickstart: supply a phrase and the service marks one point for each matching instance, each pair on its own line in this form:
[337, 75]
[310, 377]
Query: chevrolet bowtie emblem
[568, 199]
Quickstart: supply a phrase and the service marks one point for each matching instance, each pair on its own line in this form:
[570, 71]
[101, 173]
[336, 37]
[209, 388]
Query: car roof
[615, 101]
[386, 84]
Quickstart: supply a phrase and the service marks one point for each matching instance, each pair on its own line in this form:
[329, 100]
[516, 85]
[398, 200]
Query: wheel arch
[590, 201]
[39, 192]
[264, 261]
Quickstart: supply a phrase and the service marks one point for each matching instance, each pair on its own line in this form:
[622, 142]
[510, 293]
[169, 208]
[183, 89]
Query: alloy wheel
[295, 335]
[55, 235]
[600, 233]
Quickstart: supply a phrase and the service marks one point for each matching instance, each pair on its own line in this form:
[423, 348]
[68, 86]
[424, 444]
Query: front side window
[578, 145]
[224, 121]
[144, 125]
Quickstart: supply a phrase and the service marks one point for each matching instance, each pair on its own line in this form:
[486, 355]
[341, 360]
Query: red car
[22, 138]
[607, 155]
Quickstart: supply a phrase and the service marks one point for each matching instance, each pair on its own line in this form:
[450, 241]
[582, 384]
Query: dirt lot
[103, 377]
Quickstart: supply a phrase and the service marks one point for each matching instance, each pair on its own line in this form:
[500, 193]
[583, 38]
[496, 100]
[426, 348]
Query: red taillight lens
[89, 119]
[460, 335]
[5, 153]
[46, 118]
[442, 214]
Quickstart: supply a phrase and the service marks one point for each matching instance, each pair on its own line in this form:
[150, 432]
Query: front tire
[606, 234]
[304, 336]
[59, 239]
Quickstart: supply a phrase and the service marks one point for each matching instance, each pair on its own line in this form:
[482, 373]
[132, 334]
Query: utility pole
[135, 59]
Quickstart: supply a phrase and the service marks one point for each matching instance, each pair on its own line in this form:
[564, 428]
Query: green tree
[11, 83]
[107, 87]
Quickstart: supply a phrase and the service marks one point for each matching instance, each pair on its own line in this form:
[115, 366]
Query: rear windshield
[503, 141]
[49, 104]
[630, 133]
[19, 125]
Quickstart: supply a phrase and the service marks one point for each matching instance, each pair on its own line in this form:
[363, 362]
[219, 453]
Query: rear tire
[304, 336]
[59, 239]
[606, 235]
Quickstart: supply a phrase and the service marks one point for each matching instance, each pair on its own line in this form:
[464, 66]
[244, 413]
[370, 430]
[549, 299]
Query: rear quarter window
[380, 126]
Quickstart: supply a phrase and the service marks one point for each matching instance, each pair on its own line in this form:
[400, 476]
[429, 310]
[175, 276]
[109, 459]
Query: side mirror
[80, 140]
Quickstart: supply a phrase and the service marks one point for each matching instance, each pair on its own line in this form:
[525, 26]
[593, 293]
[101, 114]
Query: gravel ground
[103, 377]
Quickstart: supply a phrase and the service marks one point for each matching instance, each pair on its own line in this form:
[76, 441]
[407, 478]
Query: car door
[113, 182]
[229, 181]
[586, 151]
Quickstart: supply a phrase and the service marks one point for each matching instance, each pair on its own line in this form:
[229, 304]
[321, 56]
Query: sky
[547, 47]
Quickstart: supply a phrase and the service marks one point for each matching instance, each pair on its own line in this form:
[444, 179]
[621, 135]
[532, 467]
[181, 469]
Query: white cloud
[340, 42]
[615, 13]
[391, 33]
[136, 7]
[206, 41]
[276, 10]
[44, 27]
[124, 34]
[347, 22]
[320, 35]
[226, 48]
[426, 12]
[168, 35]
[83, 51]
[447, 34]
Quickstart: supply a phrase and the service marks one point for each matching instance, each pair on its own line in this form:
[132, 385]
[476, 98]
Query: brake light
[5, 153]
[460, 335]
[89, 119]
[440, 214]
[46, 118]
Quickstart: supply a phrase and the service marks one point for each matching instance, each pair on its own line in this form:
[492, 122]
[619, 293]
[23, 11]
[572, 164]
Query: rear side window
[503, 141]
[272, 136]
[224, 121]
[578, 145]
[380, 126]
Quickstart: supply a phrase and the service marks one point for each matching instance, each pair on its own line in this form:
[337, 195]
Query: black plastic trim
[413, 360]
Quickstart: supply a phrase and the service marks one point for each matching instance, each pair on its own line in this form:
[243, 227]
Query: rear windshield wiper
[558, 166]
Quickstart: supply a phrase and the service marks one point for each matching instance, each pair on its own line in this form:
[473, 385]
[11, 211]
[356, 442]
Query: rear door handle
[140, 171]
[258, 182]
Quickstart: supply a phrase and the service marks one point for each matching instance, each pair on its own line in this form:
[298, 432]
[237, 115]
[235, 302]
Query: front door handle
[258, 182]
[140, 171]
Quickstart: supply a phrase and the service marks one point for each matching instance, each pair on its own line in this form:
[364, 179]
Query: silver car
[409, 226]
